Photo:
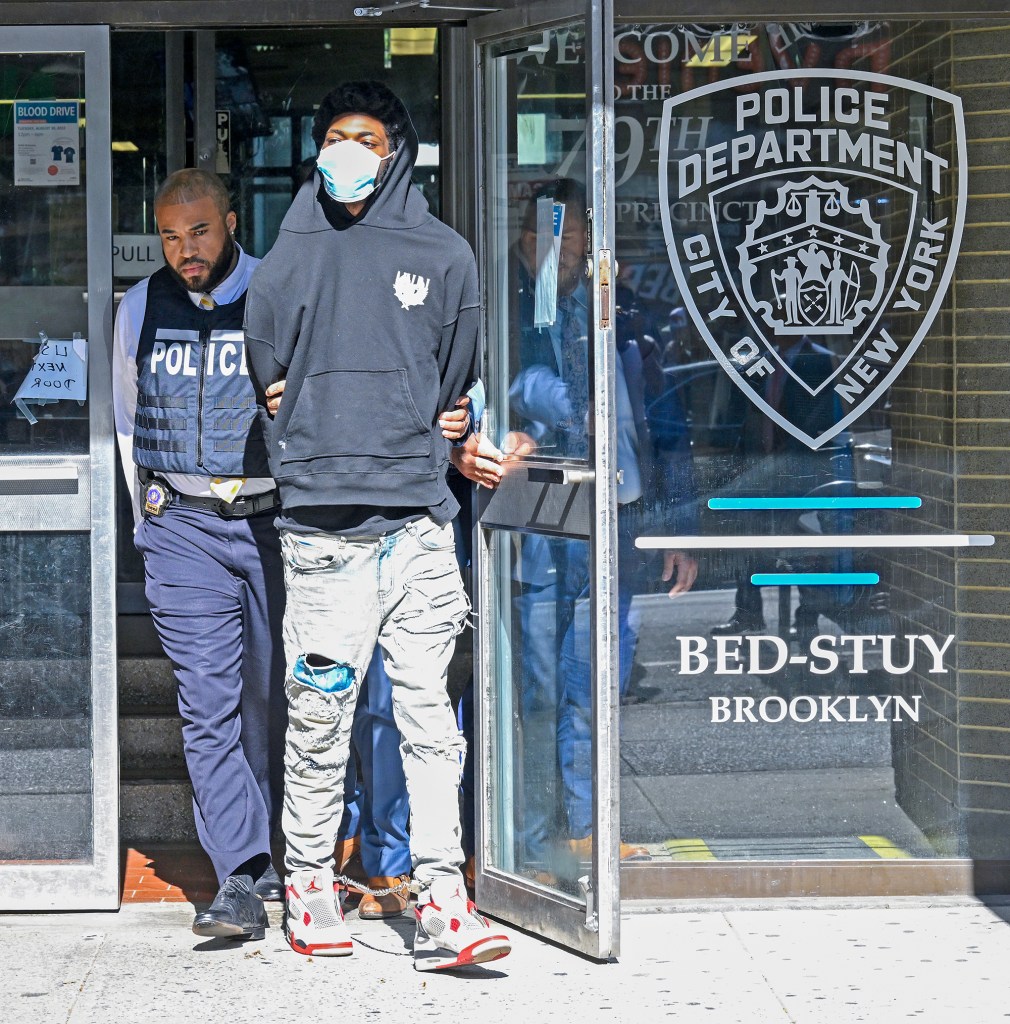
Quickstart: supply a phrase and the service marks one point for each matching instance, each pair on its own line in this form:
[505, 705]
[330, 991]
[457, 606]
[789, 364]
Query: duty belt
[241, 508]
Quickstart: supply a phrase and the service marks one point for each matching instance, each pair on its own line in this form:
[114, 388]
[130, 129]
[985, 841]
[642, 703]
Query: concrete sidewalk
[942, 960]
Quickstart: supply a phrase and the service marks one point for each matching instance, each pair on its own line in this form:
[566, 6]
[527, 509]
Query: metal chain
[378, 949]
[351, 883]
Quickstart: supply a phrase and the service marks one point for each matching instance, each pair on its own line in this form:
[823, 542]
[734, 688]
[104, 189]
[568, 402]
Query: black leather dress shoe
[236, 913]
[739, 624]
[269, 887]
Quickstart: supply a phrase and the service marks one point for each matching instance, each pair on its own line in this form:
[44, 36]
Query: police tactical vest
[196, 408]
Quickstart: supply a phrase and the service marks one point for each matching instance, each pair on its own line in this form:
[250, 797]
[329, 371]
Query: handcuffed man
[368, 307]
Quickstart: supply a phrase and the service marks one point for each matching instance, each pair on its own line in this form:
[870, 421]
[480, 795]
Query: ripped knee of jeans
[450, 751]
[322, 673]
[321, 694]
[325, 766]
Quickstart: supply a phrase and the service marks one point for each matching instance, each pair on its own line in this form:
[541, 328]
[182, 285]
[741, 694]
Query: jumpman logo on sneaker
[312, 887]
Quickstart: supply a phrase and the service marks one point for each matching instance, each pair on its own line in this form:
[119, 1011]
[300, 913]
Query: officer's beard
[216, 272]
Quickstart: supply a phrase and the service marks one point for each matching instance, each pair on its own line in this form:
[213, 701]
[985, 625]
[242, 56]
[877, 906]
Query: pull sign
[222, 154]
[603, 289]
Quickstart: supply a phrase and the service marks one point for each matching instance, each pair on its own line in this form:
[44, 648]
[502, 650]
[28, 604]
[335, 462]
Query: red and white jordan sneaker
[450, 933]
[313, 919]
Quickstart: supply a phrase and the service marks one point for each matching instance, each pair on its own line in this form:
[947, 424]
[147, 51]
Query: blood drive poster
[47, 139]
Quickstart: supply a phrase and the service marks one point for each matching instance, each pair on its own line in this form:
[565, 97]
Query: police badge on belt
[156, 498]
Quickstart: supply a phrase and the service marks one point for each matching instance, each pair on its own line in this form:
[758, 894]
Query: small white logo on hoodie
[411, 289]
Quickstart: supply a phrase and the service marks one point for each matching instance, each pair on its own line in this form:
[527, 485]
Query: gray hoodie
[373, 322]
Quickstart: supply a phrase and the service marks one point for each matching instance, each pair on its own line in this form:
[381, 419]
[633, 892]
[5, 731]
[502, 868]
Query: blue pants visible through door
[555, 679]
[216, 591]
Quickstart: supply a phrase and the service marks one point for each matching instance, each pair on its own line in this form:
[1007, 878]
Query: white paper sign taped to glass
[550, 224]
[47, 142]
[851, 247]
[59, 372]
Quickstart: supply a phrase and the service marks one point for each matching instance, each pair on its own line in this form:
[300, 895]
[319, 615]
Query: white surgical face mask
[349, 170]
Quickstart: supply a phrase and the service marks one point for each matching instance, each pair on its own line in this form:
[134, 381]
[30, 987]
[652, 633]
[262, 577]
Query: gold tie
[207, 302]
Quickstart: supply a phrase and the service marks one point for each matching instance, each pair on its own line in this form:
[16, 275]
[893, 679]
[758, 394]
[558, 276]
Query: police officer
[193, 451]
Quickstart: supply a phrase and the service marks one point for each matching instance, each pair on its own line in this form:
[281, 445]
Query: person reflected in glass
[551, 414]
[781, 464]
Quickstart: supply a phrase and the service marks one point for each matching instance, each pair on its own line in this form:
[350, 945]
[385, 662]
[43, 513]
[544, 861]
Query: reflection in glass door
[800, 702]
[58, 752]
[547, 842]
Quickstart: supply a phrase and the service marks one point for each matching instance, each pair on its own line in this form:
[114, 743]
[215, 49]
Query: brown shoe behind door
[393, 904]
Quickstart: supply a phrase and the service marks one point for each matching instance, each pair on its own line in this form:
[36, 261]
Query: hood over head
[395, 203]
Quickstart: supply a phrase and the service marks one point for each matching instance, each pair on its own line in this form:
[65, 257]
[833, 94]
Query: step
[156, 811]
[146, 681]
[45, 790]
[45, 771]
[43, 734]
[136, 637]
[150, 742]
[45, 683]
[48, 826]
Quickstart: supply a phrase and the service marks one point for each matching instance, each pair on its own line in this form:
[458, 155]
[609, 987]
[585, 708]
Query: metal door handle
[603, 290]
[543, 475]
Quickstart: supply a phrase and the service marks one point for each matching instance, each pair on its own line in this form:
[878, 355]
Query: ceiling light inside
[412, 42]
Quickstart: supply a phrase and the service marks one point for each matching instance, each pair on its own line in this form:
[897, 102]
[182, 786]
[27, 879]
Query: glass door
[808, 718]
[547, 841]
[58, 751]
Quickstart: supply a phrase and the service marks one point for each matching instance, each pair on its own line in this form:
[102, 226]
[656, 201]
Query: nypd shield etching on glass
[856, 224]
[830, 248]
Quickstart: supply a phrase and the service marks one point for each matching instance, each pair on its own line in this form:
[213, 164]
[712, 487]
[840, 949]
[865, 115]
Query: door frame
[94, 885]
[593, 927]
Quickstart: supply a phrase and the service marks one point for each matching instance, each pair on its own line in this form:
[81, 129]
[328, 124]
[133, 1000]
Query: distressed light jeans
[344, 594]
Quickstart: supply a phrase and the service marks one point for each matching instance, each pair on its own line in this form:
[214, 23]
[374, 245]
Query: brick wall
[980, 72]
[951, 433]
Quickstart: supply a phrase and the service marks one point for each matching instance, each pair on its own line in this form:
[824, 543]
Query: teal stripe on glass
[808, 503]
[812, 579]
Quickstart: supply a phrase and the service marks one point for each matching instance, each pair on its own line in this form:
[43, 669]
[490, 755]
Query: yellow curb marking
[689, 849]
[883, 847]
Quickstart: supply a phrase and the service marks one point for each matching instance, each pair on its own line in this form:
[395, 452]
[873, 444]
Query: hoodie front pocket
[355, 413]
